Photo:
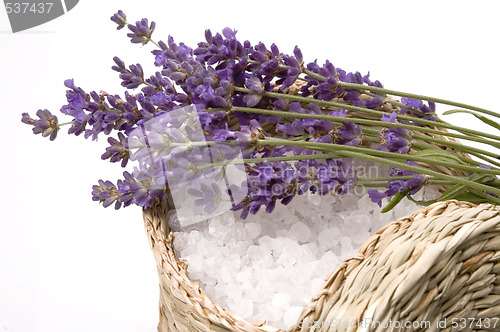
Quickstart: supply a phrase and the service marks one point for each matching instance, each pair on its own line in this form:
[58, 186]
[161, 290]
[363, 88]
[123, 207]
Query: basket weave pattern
[442, 261]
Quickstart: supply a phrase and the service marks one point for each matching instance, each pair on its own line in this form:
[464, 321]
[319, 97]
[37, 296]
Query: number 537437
[28, 8]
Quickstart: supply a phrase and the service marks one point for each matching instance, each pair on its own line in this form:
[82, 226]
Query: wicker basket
[440, 265]
[437, 263]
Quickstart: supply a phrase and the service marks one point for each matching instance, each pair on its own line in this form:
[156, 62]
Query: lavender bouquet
[232, 124]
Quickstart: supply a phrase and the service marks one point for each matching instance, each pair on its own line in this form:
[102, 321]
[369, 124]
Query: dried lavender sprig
[339, 149]
[345, 151]
[419, 97]
[382, 90]
[404, 94]
[46, 124]
[119, 18]
[141, 32]
[385, 124]
[287, 79]
[378, 113]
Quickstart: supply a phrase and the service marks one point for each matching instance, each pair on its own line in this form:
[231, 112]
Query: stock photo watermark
[208, 178]
[444, 323]
[26, 14]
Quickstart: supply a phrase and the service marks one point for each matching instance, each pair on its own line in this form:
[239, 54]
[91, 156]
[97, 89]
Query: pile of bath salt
[269, 266]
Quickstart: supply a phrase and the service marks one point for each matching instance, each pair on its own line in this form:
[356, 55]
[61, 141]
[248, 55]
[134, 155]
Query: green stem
[384, 184]
[385, 178]
[416, 96]
[151, 40]
[368, 122]
[270, 159]
[383, 154]
[290, 158]
[64, 124]
[486, 159]
[373, 112]
[453, 179]
[404, 94]
[420, 145]
[385, 158]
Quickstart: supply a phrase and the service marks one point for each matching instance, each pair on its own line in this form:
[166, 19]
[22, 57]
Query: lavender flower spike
[119, 18]
[141, 31]
[47, 124]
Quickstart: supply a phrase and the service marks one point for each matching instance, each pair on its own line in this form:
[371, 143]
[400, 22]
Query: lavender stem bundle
[288, 125]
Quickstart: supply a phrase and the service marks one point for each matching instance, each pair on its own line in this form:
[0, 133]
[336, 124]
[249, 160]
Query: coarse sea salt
[269, 266]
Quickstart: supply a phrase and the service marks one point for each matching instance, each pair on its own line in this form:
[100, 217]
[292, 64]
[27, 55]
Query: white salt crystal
[234, 292]
[359, 238]
[244, 275]
[366, 204]
[266, 241]
[173, 221]
[291, 220]
[291, 316]
[203, 247]
[281, 301]
[300, 231]
[346, 248]
[281, 233]
[225, 251]
[243, 307]
[302, 275]
[247, 288]
[264, 290]
[328, 238]
[181, 241]
[360, 219]
[269, 266]
[274, 315]
[234, 260]
[253, 229]
[349, 202]
[310, 251]
[193, 238]
[225, 274]
[286, 259]
[222, 227]
[241, 247]
[315, 199]
[195, 263]
[240, 232]
[316, 285]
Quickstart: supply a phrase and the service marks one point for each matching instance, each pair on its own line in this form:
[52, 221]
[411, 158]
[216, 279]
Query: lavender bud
[119, 18]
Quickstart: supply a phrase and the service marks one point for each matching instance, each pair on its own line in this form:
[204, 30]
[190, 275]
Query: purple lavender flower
[141, 31]
[412, 186]
[394, 139]
[295, 64]
[118, 150]
[209, 196]
[105, 112]
[47, 124]
[132, 77]
[206, 77]
[219, 47]
[269, 182]
[323, 90]
[351, 134]
[426, 111]
[106, 193]
[139, 189]
[119, 18]
[257, 88]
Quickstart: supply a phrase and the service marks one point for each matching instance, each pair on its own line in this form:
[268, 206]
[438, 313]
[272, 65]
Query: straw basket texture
[440, 262]
[440, 266]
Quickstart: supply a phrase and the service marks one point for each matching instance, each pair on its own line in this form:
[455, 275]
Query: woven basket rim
[195, 306]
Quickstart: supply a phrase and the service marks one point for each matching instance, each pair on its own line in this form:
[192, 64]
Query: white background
[67, 264]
